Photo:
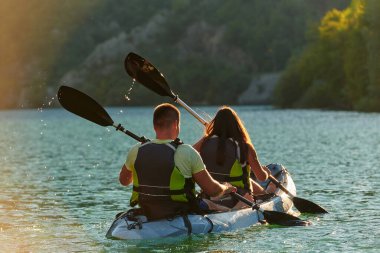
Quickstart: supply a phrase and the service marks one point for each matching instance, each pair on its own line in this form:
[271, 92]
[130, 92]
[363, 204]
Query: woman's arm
[253, 161]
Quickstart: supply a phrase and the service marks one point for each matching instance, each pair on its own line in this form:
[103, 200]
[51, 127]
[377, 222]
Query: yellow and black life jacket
[231, 170]
[159, 187]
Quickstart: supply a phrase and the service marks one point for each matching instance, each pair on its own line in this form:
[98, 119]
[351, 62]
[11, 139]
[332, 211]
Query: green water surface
[59, 188]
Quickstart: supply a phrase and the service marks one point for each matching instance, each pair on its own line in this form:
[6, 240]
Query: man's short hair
[165, 114]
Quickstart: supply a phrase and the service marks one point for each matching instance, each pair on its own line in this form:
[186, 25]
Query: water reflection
[59, 191]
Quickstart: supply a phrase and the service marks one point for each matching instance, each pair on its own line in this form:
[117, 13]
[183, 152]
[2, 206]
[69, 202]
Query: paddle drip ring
[119, 127]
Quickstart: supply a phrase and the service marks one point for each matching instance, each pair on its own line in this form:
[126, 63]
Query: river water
[59, 187]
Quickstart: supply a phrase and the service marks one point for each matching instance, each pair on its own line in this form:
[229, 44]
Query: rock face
[260, 90]
[110, 54]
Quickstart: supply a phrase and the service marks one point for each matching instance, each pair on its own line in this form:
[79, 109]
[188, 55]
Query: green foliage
[208, 49]
[223, 82]
[339, 69]
[371, 102]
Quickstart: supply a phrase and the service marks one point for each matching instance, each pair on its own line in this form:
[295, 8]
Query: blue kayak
[126, 226]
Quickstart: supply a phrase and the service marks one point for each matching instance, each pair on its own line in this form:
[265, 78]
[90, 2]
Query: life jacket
[231, 170]
[159, 187]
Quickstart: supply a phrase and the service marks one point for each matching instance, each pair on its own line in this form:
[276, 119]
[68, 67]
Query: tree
[337, 70]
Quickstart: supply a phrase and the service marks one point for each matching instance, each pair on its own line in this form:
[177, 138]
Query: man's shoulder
[189, 159]
[135, 147]
[186, 151]
[186, 148]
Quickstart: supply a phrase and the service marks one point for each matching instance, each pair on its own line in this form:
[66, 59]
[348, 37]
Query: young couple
[164, 171]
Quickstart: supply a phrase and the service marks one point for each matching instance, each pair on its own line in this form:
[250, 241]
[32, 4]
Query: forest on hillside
[208, 50]
[339, 68]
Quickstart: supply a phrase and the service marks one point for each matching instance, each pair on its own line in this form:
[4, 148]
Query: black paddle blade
[306, 206]
[284, 219]
[145, 73]
[84, 106]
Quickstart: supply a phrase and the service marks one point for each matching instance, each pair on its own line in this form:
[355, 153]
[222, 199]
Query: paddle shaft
[242, 199]
[191, 111]
[129, 133]
[279, 185]
[251, 204]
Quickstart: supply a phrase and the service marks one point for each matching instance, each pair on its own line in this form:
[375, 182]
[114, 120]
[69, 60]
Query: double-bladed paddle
[84, 106]
[273, 217]
[145, 73]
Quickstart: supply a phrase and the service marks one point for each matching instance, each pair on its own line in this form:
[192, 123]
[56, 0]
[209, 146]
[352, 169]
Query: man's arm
[210, 186]
[125, 176]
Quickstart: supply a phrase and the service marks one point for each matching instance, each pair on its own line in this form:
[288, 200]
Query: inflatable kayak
[127, 226]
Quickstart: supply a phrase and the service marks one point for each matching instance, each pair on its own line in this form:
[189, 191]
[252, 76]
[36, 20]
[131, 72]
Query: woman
[229, 155]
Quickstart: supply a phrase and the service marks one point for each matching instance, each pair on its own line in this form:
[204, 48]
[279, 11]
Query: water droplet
[129, 91]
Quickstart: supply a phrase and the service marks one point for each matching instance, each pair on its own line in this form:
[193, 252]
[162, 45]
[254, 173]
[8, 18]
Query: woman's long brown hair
[227, 124]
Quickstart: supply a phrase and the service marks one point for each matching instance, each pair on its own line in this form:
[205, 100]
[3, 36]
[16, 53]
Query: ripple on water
[60, 191]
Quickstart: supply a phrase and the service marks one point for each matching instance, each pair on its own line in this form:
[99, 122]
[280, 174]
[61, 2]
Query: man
[163, 171]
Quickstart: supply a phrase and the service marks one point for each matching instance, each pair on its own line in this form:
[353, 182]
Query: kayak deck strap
[187, 223]
[212, 224]
[134, 225]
